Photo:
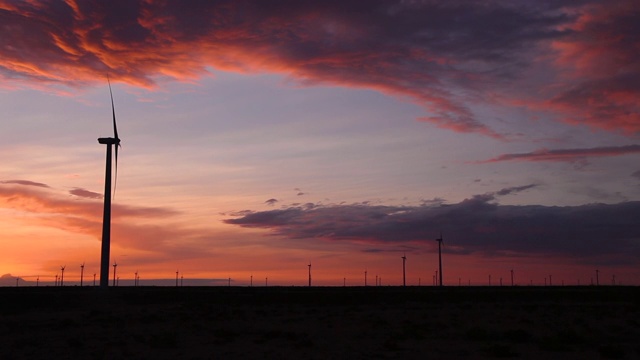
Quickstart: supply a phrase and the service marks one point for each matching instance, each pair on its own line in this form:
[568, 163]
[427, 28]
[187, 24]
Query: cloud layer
[149, 229]
[443, 55]
[569, 155]
[597, 233]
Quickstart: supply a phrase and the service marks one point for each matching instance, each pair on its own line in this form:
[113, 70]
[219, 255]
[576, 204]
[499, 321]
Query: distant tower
[177, 278]
[115, 266]
[597, 277]
[365, 278]
[404, 274]
[81, 273]
[62, 277]
[309, 273]
[511, 277]
[439, 240]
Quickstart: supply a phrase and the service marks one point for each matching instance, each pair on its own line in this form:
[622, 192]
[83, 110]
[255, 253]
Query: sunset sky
[259, 136]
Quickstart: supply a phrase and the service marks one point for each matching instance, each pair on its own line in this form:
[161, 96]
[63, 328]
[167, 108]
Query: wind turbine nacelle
[109, 141]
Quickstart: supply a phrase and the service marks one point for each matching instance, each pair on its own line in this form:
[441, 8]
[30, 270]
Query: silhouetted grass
[372, 322]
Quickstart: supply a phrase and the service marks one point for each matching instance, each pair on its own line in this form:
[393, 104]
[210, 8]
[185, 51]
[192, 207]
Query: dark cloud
[588, 233]
[24, 182]
[440, 54]
[570, 155]
[85, 193]
[271, 201]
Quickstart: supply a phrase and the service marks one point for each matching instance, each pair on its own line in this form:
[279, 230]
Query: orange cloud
[423, 51]
[134, 227]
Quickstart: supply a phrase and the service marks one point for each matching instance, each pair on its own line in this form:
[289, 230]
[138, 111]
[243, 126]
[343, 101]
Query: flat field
[320, 323]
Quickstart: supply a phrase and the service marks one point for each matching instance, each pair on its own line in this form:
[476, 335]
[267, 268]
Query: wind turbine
[439, 240]
[115, 265]
[404, 274]
[106, 218]
[62, 277]
[309, 273]
[81, 273]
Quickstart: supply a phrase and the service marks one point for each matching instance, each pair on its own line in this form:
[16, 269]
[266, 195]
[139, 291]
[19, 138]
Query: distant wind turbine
[81, 273]
[404, 274]
[439, 240]
[309, 273]
[106, 219]
[62, 277]
[597, 277]
[365, 278]
[115, 265]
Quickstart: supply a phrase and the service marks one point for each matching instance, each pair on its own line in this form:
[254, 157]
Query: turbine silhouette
[439, 240]
[81, 273]
[404, 274]
[115, 266]
[106, 219]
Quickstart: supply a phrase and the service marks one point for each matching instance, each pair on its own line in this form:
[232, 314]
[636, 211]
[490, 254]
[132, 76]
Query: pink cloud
[566, 154]
[84, 216]
[421, 51]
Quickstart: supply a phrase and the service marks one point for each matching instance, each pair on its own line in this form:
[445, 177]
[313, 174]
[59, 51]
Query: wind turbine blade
[115, 135]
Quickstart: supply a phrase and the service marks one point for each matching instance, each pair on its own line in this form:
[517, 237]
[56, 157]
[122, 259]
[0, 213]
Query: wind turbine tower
[439, 240]
[309, 273]
[106, 218]
[81, 273]
[62, 276]
[404, 274]
[115, 266]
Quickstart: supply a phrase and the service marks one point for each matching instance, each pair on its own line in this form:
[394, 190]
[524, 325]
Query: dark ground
[320, 323]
